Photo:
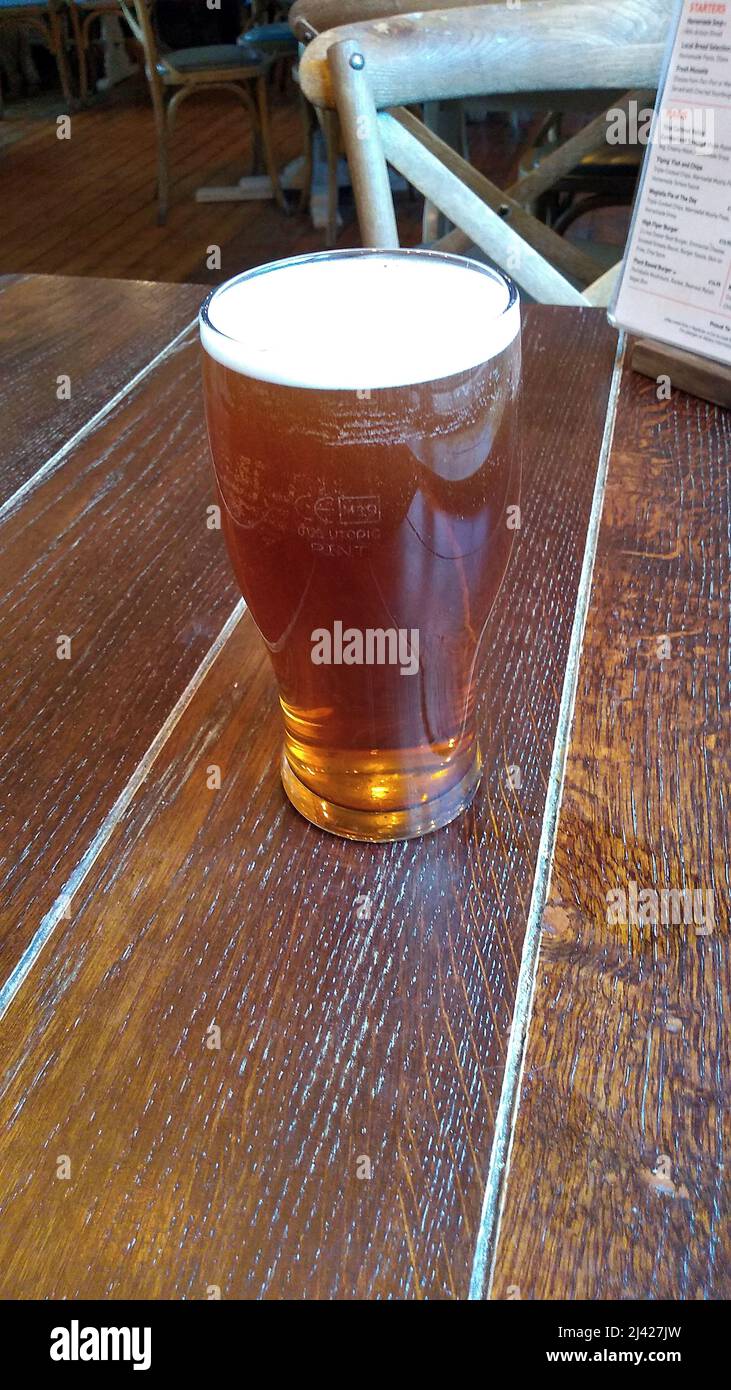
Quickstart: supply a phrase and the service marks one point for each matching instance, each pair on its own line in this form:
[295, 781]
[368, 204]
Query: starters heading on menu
[676, 279]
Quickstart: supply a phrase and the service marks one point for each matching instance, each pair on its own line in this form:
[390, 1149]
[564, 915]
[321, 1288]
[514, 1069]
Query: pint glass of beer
[361, 410]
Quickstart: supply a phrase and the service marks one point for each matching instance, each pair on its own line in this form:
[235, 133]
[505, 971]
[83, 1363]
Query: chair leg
[163, 167]
[447, 120]
[58, 45]
[331, 131]
[308, 130]
[80, 46]
[266, 137]
[257, 148]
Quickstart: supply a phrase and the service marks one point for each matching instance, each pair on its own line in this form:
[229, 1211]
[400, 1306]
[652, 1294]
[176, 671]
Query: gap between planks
[498, 1172]
[496, 1184]
[46, 469]
[59, 908]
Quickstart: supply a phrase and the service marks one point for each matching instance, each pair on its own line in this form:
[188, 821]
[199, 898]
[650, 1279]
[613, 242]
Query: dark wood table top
[240, 1056]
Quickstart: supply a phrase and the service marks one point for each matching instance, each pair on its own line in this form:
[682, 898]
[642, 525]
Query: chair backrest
[139, 15]
[310, 17]
[370, 71]
[492, 48]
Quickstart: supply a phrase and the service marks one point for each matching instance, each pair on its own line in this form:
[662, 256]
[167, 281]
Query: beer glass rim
[356, 252]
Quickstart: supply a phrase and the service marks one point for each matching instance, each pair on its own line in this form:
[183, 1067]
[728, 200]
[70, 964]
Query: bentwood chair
[267, 29]
[85, 13]
[546, 55]
[47, 21]
[266, 26]
[176, 74]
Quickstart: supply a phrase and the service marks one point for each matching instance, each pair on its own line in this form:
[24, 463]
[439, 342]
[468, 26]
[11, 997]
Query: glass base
[405, 824]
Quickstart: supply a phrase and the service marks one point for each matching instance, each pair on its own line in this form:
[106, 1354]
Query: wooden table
[243, 1057]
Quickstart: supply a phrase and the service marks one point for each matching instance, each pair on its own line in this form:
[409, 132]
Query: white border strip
[59, 908]
[496, 1186]
[55, 461]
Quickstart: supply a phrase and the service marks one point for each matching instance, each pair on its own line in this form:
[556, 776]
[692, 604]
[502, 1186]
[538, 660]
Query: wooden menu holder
[699, 376]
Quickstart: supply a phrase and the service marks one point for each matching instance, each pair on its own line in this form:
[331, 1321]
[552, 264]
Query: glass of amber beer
[361, 410]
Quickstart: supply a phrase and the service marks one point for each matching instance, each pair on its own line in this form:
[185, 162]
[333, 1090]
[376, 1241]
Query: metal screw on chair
[357, 61]
[503, 210]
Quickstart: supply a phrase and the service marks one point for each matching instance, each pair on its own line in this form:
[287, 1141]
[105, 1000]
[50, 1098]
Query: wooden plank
[66, 162]
[52, 328]
[87, 205]
[619, 1181]
[134, 185]
[112, 550]
[685, 370]
[122, 136]
[342, 1038]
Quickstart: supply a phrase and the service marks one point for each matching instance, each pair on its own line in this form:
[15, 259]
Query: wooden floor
[86, 206]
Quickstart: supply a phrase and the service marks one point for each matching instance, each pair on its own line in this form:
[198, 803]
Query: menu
[675, 284]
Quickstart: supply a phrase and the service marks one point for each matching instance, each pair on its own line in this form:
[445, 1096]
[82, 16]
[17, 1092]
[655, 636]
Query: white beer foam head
[345, 321]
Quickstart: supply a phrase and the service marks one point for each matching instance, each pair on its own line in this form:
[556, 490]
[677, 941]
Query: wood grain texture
[490, 49]
[112, 550]
[86, 206]
[50, 327]
[308, 16]
[619, 1181]
[699, 376]
[342, 1037]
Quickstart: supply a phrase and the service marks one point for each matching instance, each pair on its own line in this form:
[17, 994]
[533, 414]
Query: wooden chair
[605, 178]
[46, 20]
[309, 18]
[267, 29]
[183, 71]
[266, 25]
[84, 14]
[543, 55]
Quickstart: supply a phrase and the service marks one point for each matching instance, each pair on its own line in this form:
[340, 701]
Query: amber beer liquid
[361, 411]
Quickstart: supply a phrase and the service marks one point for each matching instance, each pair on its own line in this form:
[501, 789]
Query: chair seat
[270, 37]
[611, 171]
[212, 58]
[613, 167]
[614, 161]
